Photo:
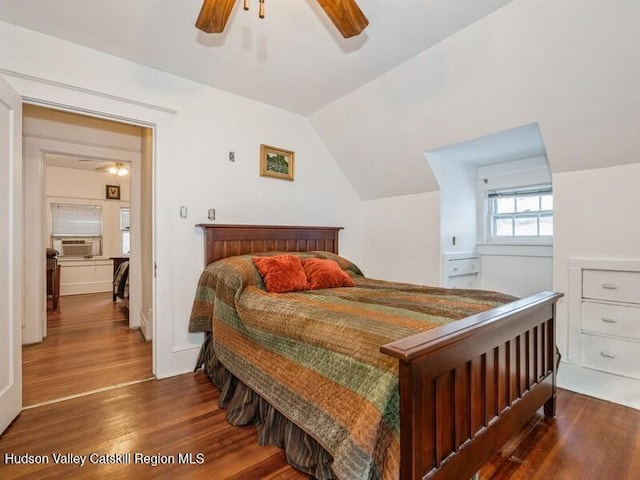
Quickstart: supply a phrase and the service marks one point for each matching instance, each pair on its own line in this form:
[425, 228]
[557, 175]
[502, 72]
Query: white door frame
[36, 245]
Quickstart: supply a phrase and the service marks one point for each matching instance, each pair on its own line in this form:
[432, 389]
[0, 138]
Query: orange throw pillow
[282, 273]
[324, 273]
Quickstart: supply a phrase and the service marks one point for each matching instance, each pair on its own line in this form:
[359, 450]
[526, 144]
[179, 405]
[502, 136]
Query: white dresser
[604, 329]
[461, 270]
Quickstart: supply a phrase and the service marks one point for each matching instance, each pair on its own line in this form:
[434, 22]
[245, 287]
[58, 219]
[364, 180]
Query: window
[76, 220]
[522, 214]
[76, 230]
[125, 233]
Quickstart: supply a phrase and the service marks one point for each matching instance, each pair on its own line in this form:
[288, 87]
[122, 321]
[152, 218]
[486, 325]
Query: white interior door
[10, 254]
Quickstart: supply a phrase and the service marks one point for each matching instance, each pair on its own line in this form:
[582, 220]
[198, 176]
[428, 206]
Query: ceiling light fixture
[118, 169]
[345, 15]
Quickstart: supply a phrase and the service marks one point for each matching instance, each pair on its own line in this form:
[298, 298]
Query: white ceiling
[294, 59]
[506, 146]
[78, 162]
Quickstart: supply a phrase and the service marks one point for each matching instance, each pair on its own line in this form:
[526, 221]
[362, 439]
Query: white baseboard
[605, 386]
[182, 360]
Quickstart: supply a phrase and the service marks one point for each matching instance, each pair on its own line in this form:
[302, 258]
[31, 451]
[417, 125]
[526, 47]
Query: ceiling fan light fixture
[122, 171]
[344, 14]
[113, 170]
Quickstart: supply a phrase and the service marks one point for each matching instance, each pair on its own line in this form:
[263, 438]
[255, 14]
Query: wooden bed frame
[467, 387]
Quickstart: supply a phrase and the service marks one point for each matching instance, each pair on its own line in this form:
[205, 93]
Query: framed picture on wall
[276, 162]
[113, 192]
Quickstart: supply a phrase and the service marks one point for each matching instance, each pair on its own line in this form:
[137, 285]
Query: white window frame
[491, 215]
[125, 230]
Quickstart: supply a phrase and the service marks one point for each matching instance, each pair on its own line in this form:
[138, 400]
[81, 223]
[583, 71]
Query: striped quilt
[314, 355]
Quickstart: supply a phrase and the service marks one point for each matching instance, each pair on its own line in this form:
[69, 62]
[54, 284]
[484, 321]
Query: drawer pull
[607, 355]
[610, 286]
[455, 269]
[609, 320]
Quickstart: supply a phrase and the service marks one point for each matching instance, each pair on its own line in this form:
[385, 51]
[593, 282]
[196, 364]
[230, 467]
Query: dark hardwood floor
[165, 417]
[89, 346]
[589, 439]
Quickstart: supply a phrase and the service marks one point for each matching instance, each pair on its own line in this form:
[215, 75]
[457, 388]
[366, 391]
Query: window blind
[76, 220]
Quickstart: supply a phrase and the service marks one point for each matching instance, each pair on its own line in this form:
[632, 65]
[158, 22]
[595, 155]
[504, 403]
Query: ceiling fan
[345, 15]
[115, 168]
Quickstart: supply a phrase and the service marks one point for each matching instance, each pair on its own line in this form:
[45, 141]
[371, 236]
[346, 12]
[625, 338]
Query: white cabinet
[604, 329]
[610, 321]
[461, 270]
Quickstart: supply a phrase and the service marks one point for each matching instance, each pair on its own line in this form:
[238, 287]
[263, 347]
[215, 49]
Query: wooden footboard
[469, 386]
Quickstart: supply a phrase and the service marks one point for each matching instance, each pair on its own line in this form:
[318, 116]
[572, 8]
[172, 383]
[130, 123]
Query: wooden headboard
[221, 241]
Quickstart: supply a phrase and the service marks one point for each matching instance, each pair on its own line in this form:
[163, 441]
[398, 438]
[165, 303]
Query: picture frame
[113, 192]
[276, 162]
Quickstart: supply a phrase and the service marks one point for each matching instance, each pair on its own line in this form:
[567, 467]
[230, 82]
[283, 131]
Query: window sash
[510, 221]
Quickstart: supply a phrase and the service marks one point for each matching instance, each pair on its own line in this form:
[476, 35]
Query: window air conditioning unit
[86, 248]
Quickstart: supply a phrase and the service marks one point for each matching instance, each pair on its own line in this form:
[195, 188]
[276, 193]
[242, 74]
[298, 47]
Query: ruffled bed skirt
[246, 407]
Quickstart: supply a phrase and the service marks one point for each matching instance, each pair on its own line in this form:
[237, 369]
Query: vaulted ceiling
[424, 75]
[294, 58]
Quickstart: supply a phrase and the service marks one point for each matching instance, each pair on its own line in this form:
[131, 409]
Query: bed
[446, 398]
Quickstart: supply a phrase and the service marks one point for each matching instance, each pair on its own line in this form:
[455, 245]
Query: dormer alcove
[496, 212]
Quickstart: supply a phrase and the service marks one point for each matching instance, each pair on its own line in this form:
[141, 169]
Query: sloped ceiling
[571, 67]
[425, 74]
[293, 59]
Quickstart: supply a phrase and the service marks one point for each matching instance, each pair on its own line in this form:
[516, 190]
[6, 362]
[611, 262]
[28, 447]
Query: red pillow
[282, 273]
[325, 273]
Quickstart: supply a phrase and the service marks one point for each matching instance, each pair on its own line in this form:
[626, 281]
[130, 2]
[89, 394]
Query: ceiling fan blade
[346, 16]
[214, 15]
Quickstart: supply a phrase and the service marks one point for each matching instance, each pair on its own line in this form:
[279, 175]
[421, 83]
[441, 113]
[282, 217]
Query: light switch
[183, 212]
[211, 214]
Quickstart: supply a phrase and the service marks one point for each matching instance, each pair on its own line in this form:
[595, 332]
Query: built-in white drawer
[612, 285]
[611, 355]
[463, 266]
[619, 320]
[463, 281]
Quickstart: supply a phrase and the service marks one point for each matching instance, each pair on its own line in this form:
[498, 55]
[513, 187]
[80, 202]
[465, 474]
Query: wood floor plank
[89, 346]
[590, 439]
[174, 416]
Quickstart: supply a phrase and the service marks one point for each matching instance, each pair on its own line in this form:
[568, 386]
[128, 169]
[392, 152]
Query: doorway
[66, 163]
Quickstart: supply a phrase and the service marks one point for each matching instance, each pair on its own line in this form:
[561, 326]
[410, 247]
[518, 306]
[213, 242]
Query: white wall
[401, 238]
[519, 274]
[457, 181]
[195, 128]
